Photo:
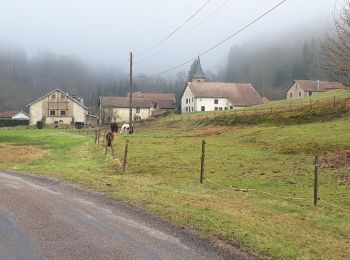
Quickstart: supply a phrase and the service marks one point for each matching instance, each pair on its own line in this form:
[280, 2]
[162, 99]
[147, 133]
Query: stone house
[57, 107]
[306, 88]
[200, 95]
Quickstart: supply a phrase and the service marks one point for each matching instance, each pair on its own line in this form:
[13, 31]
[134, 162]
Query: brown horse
[109, 138]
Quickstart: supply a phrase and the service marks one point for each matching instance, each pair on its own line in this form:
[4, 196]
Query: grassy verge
[275, 219]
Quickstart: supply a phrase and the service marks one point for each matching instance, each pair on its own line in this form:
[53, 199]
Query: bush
[40, 124]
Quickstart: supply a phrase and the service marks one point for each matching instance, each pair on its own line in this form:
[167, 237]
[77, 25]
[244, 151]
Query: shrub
[40, 124]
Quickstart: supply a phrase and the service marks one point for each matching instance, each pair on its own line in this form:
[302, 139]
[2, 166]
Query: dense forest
[270, 64]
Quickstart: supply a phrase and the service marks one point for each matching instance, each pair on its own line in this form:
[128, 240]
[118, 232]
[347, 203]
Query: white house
[199, 95]
[14, 115]
[116, 109]
[306, 88]
[57, 107]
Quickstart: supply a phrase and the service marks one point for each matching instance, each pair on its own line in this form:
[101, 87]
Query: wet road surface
[47, 219]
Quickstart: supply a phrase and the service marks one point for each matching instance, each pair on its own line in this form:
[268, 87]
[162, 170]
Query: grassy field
[274, 219]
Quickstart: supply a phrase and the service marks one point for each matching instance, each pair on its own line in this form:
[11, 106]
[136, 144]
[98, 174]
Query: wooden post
[334, 103]
[310, 102]
[95, 136]
[317, 168]
[98, 137]
[125, 155]
[201, 177]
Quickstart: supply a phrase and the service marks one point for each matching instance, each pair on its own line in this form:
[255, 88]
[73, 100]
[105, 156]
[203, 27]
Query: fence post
[310, 102]
[95, 136]
[317, 168]
[334, 103]
[201, 177]
[98, 137]
[125, 155]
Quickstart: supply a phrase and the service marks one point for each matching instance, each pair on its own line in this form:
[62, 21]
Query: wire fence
[100, 138]
[333, 103]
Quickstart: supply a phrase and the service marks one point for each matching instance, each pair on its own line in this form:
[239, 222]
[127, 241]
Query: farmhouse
[116, 109]
[200, 95]
[162, 102]
[305, 88]
[57, 107]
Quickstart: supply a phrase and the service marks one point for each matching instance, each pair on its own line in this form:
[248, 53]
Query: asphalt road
[47, 219]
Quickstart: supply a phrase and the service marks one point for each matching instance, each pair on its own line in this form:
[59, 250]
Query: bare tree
[336, 47]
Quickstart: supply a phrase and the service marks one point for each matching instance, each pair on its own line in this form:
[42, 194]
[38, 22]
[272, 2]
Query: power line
[223, 41]
[177, 29]
[184, 36]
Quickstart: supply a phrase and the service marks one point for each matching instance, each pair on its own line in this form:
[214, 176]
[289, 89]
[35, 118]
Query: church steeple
[196, 72]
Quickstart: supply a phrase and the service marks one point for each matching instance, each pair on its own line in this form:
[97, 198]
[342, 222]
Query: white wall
[35, 112]
[191, 101]
[122, 114]
[78, 113]
[20, 116]
[223, 103]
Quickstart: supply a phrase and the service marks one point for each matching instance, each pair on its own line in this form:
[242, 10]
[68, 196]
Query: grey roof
[199, 71]
[196, 71]
[68, 96]
[240, 94]
[123, 102]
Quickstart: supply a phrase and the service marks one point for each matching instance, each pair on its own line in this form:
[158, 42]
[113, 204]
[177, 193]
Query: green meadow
[259, 174]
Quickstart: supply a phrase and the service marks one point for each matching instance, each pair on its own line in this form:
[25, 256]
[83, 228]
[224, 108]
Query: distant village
[199, 95]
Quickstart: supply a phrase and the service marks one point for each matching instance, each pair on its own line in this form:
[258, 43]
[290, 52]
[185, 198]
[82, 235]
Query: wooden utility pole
[130, 97]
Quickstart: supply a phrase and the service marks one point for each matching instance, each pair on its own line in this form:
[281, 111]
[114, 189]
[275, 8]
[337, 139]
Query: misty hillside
[272, 64]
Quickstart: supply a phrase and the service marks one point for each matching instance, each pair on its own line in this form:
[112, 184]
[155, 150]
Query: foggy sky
[105, 31]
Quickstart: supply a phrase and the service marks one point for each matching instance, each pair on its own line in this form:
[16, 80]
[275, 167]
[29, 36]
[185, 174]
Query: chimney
[318, 85]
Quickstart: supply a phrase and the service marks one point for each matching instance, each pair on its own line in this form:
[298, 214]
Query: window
[216, 101]
[63, 112]
[215, 108]
[192, 109]
[52, 112]
[186, 101]
[186, 109]
[290, 94]
[220, 108]
[310, 93]
[202, 108]
[137, 110]
[299, 93]
[53, 97]
[231, 107]
[225, 108]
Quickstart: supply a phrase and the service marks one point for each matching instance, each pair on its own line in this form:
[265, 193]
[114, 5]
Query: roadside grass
[275, 219]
